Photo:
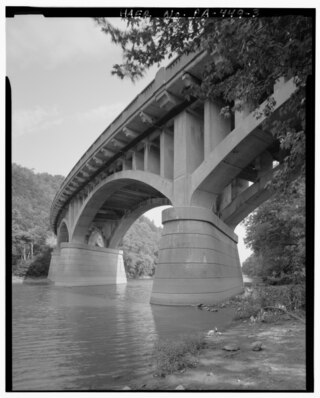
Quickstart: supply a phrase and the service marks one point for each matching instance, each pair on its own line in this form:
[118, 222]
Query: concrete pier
[198, 259]
[82, 265]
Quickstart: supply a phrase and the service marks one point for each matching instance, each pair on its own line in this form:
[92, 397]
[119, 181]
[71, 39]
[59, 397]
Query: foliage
[140, 248]
[247, 305]
[292, 297]
[173, 356]
[276, 234]
[256, 302]
[39, 267]
[252, 266]
[247, 56]
[32, 195]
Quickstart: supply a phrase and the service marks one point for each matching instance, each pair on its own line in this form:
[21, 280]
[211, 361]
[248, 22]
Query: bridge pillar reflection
[75, 264]
[198, 259]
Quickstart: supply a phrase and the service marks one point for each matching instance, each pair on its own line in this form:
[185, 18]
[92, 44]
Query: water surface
[93, 337]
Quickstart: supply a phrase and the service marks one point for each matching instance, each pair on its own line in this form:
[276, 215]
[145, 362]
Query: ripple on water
[83, 338]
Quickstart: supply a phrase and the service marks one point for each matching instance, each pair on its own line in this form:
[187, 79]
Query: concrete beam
[248, 200]
[151, 159]
[137, 161]
[116, 143]
[216, 126]
[107, 152]
[126, 164]
[84, 174]
[146, 118]
[166, 155]
[129, 133]
[166, 100]
[188, 154]
[190, 80]
[90, 167]
[238, 140]
[97, 161]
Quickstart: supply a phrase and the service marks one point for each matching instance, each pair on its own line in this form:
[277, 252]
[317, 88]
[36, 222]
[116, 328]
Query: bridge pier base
[82, 265]
[198, 259]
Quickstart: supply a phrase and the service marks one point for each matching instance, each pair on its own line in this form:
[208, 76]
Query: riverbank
[263, 356]
[259, 321]
[30, 281]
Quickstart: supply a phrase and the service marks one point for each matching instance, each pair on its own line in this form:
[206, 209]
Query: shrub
[40, 265]
[253, 303]
[247, 305]
[21, 268]
[172, 356]
[291, 296]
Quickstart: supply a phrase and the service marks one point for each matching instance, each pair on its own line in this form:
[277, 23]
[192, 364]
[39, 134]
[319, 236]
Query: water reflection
[173, 321]
[92, 337]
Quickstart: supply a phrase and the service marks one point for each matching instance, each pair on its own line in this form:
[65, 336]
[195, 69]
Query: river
[93, 337]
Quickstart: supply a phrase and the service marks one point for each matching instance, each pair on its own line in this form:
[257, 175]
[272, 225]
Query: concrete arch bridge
[166, 150]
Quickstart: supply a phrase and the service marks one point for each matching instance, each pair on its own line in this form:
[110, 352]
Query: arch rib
[107, 187]
[129, 218]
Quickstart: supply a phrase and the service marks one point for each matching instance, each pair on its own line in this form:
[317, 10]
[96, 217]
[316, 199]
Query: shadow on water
[172, 321]
[94, 337]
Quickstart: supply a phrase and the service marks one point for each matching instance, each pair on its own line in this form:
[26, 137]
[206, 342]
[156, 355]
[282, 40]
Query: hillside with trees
[32, 239]
[32, 195]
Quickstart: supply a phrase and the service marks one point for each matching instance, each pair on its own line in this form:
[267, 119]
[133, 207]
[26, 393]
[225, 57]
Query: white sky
[63, 93]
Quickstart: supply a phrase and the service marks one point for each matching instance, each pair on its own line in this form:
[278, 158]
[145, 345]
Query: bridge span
[164, 149]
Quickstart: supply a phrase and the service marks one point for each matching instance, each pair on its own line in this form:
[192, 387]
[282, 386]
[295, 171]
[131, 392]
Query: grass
[176, 356]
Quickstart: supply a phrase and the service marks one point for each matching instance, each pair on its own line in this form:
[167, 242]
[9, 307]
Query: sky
[63, 92]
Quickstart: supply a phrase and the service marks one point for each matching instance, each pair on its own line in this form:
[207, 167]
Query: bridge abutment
[75, 264]
[198, 259]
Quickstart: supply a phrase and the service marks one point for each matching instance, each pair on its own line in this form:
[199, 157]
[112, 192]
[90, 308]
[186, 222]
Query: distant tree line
[32, 195]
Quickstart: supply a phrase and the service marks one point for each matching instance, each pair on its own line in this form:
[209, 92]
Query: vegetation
[268, 303]
[140, 248]
[32, 195]
[32, 240]
[248, 55]
[276, 234]
[177, 355]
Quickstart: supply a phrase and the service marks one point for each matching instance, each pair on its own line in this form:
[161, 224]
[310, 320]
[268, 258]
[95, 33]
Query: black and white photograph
[160, 171]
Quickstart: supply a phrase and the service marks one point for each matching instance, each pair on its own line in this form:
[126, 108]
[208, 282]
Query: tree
[248, 55]
[32, 195]
[276, 234]
[252, 266]
[140, 248]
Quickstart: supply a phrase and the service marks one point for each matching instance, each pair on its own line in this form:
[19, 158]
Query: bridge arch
[63, 233]
[96, 238]
[118, 201]
[129, 218]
